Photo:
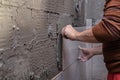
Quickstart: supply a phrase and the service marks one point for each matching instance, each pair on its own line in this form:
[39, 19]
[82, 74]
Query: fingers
[64, 32]
[82, 58]
[79, 47]
[64, 29]
[69, 32]
[82, 49]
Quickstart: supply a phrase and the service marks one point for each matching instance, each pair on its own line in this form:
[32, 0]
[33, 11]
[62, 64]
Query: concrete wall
[28, 37]
[28, 32]
[94, 9]
[89, 9]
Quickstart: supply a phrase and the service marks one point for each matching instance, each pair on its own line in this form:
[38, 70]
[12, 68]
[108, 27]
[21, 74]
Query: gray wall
[25, 47]
[74, 69]
[94, 9]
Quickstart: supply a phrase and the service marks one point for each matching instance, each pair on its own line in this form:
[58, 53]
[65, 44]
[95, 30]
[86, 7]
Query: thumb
[80, 47]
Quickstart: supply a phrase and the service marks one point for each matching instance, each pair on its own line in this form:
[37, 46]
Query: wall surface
[74, 69]
[94, 69]
[28, 32]
[94, 9]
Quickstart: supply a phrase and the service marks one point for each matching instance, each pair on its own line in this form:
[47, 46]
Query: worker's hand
[69, 32]
[87, 53]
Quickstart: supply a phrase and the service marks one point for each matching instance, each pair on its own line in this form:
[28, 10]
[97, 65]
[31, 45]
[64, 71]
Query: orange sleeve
[109, 27]
[103, 34]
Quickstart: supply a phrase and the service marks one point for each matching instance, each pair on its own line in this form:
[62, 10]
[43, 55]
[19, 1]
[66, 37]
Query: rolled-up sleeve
[106, 31]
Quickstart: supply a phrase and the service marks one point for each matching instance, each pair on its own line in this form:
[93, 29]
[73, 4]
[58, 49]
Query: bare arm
[85, 36]
[97, 50]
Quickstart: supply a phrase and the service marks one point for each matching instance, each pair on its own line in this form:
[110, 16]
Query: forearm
[86, 36]
[97, 50]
